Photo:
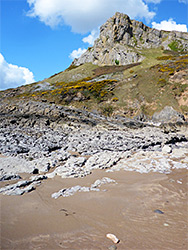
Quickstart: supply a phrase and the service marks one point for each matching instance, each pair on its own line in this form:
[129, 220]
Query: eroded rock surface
[38, 138]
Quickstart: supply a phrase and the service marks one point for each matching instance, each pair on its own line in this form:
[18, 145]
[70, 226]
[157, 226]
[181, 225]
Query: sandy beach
[81, 221]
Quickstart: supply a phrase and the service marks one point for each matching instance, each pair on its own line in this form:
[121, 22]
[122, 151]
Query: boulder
[168, 115]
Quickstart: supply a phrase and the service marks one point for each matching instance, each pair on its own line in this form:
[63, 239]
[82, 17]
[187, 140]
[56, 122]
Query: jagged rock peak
[121, 38]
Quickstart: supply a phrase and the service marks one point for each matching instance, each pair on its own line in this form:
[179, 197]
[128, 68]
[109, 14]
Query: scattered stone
[35, 171]
[179, 182]
[166, 224]
[171, 180]
[113, 238]
[158, 211]
[104, 180]
[113, 247]
[94, 187]
[166, 149]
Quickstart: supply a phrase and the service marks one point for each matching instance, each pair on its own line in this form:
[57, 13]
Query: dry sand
[126, 209]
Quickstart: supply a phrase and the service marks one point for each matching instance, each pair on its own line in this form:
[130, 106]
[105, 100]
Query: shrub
[179, 88]
[115, 99]
[164, 58]
[184, 108]
[162, 82]
[175, 46]
[107, 110]
[117, 62]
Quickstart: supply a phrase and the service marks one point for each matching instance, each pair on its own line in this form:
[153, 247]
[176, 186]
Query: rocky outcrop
[66, 192]
[23, 186]
[168, 114]
[39, 138]
[121, 39]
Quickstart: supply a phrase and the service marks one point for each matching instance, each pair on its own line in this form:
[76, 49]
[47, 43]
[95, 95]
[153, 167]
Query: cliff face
[122, 39]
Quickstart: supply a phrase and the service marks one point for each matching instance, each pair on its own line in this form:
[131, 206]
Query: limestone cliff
[121, 40]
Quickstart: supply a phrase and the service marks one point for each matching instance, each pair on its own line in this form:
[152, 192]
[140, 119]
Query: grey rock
[71, 191]
[121, 38]
[24, 186]
[167, 149]
[8, 177]
[168, 114]
[66, 192]
[179, 153]
[38, 178]
[158, 211]
[102, 160]
[104, 180]
[150, 161]
[113, 247]
[75, 142]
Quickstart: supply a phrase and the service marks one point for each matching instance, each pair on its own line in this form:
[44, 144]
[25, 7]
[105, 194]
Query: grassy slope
[129, 90]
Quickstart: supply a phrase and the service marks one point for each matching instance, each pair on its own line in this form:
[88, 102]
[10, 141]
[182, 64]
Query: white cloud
[183, 1]
[85, 15]
[12, 76]
[92, 37]
[76, 53]
[169, 25]
[153, 1]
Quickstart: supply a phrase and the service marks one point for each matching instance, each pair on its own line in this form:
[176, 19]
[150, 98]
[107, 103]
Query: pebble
[179, 182]
[113, 238]
[158, 211]
[166, 149]
[113, 247]
[166, 224]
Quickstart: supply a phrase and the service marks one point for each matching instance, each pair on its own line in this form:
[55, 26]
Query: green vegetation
[72, 66]
[162, 82]
[141, 40]
[169, 57]
[134, 40]
[115, 99]
[117, 62]
[179, 88]
[82, 90]
[113, 89]
[90, 48]
[184, 109]
[175, 46]
[107, 110]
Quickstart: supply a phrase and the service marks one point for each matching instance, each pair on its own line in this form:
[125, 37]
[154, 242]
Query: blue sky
[41, 37]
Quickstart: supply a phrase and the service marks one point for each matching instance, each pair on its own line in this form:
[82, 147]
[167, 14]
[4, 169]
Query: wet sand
[126, 209]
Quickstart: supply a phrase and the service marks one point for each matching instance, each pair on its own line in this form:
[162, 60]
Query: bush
[179, 88]
[175, 46]
[184, 109]
[164, 58]
[107, 110]
[162, 82]
[117, 62]
[115, 99]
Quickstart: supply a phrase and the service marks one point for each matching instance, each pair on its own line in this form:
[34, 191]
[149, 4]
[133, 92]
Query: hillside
[131, 70]
[98, 154]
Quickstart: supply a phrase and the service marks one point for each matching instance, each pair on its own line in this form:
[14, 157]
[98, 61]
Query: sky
[39, 38]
